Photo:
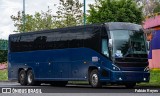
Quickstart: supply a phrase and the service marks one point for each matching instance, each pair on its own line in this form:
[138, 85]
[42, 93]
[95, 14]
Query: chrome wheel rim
[30, 78]
[94, 79]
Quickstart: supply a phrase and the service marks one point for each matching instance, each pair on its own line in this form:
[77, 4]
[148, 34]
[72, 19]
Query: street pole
[23, 15]
[84, 18]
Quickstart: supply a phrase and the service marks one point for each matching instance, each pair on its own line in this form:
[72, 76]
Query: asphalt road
[80, 90]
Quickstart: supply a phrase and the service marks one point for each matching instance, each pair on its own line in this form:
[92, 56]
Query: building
[152, 27]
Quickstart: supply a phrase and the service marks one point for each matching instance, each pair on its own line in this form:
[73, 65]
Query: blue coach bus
[113, 52]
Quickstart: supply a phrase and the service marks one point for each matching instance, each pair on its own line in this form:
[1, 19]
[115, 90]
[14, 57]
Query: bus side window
[105, 47]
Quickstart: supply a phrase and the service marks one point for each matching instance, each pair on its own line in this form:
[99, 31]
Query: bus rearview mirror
[148, 45]
[110, 43]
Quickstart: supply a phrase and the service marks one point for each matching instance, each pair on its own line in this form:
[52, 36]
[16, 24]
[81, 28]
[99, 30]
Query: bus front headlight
[116, 68]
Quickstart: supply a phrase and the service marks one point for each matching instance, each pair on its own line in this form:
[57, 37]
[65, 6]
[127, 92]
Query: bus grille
[131, 62]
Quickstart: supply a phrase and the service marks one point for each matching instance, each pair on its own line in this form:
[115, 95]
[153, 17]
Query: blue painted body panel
[67, 64]
[55, 64]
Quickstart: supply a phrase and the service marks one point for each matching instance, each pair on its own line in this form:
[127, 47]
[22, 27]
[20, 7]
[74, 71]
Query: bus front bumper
[130, 76]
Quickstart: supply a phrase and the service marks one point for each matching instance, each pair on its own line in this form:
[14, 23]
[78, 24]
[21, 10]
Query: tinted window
[67, 38]
[126, 42]
[93, 38]
[105, 47]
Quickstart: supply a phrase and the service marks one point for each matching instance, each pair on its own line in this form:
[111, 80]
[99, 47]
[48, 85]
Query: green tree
[3, 55]
[38, 21]
[115, 11]
[3, 50]
[157, 7]
[69, 13]
[149, 6]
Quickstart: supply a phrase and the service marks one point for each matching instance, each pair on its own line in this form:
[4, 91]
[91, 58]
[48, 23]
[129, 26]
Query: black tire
[59, 83]
[22, 77]
[30, 78]
[94, 79]
[130, 85]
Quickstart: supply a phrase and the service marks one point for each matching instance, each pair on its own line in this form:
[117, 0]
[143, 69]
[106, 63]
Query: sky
[11, 7]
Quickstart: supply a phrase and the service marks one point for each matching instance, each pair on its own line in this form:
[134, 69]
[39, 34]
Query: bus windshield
[127, 42]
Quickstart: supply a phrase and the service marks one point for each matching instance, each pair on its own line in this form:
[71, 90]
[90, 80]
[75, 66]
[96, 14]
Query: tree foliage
[149, 6]
[115, 11]
[3, 50]
[69, 14]
[157, 7]
[3, 55]
[38, 21]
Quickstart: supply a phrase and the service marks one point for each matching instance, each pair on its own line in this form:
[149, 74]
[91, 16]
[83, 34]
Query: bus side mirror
[148, 45]
[110, 43]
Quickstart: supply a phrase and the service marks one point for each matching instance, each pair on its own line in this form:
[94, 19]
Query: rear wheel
[94, 79]
[30, 78]
[22, 77]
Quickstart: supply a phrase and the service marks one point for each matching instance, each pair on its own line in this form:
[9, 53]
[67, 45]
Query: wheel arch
[29, 69]
[90, 69]
[25, 69]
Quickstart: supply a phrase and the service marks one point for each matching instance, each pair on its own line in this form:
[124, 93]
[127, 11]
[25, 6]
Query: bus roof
[56, 29]
[110, 25]
[123, 25]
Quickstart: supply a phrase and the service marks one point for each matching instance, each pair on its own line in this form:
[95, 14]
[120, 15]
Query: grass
[154, 78]
[4, 75]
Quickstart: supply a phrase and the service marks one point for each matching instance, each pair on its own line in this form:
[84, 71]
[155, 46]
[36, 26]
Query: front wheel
[94, 79]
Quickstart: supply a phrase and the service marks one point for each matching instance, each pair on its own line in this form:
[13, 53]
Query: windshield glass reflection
[127, 42]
